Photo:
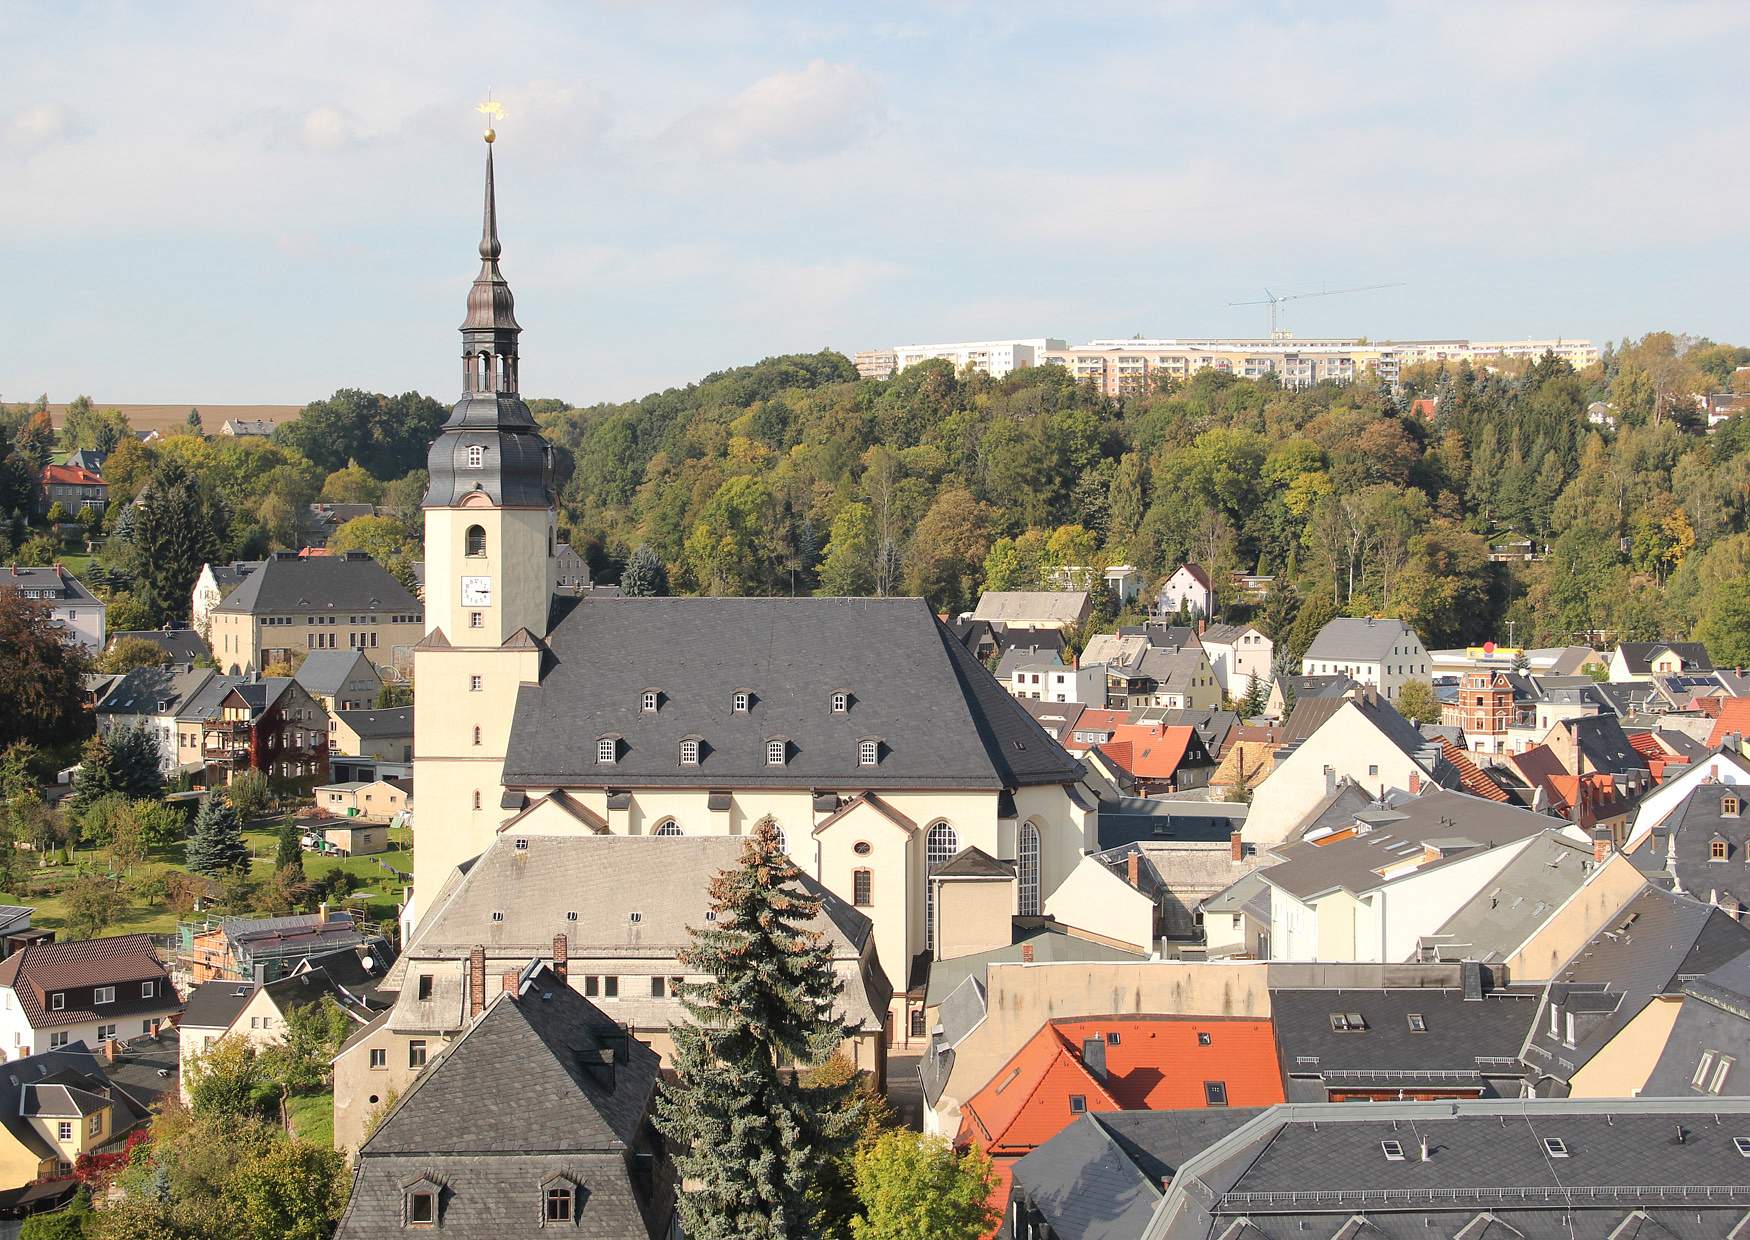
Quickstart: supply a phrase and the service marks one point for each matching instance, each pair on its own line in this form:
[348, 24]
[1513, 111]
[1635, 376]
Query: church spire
[489, 247]
[489, 334]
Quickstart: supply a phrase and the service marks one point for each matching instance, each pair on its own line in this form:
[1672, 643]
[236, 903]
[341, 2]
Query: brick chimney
[561, 958]
[1237, 847]
[1026, 953]
[510, 980]
[1415, 783]
[1602, 844]
[476, 979]
[1133, 870]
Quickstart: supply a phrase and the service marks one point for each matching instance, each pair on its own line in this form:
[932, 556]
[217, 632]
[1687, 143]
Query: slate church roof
[940, 720]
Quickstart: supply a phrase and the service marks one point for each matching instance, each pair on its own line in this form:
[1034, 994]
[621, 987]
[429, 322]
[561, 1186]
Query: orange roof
[1423, 408]
[1471, 775]
[1734, 717]
[72, 475]
[1647, 745]
[1155, 750]
[1154, 1063]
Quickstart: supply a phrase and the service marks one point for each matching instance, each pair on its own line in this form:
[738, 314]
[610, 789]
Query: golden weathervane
[493, 110]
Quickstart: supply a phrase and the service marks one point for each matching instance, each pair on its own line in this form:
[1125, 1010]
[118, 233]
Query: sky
[242, 203]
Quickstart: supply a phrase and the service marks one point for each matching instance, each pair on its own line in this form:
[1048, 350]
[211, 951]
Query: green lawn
[312, 1117]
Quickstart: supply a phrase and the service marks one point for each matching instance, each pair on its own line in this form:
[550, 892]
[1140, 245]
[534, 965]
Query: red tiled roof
[1734, 717]
[71, 475]
[1647, 745]
[1471, 775]
[1154, 750]
[1423, 408]
[1156, 1064]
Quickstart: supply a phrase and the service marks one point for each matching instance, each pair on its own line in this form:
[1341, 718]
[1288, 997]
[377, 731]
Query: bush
[67, 1224]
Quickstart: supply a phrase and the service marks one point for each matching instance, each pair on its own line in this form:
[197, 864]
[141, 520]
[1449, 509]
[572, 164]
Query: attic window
[634, 917]
[650, 701]
[689, 753]
[57, 1001]
[422, 1205]
[1417, 1024]
[522, 845]
[1078, 1104]
[425, 985]
[1394, 1150]
[1742, 1145]
[606, 750]
[868, 753]
[1729, 806]
[1555, 1147]
[776, 752]
[1717, 850]
[1203, 1038]
[1347, 1022]
[742, 700]
[841, 702]
[1112, 1037]
[571, 915]
[559, 1200]
[476, 457]
[1215, 1093]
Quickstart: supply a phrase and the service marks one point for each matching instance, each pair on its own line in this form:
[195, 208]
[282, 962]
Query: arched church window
[1028, 865]
[669, 827]
[476, 536]
[939, 847]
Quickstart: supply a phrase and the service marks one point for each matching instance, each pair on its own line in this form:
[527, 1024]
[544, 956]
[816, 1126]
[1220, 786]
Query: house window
[57, 1002]
[476, 620]
[94, 1124]
[476, 456]
[148, 990]
[1555, 1147]
[475, 541]
[841, 702]
[425, 980]
[57, 1040]
[1204, 1038]
[775, 751]
[379, 1057]
[422, 1207]
[1078, 1104]
[610, 986]
[868, 753]
[1719, 1079]
[1717, 851]
[591, 986]
[658, 988]
[416, 1053]
[605, 749]
[1417, 1023]
[106, 1033]
[1215, 1093]
[1027, 866]
[559, 1205]
[476, 683]
[64, 1130]
[103, 994]
[861, 882]
[689, 753]
[669, 827]
[1729, 806]
[741, 703]
[650, 699]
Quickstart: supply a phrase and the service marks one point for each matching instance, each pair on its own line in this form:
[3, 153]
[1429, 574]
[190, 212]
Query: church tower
[489, 578]
[489, 533]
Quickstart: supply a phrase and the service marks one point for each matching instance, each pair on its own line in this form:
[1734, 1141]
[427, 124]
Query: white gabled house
[1240, 655]
[1383, 653]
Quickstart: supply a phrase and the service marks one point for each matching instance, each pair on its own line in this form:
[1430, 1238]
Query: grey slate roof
[942, 720]
[1359, 639]
[287, 582]
[1604, 744]
[1620, 699]
[68, 1081]
[1008, 606]
[1648, 948]
[1635, 655]
[523, 1095]
[1127, 820]
[1713, 1024]
[1495, 922]
[391, 721]
[1313, 1170]
[1027, 659]
[183, 646]
[215, 1004]
[323, 672]
[1212, 724]
[1471, 1036]
[148, 691]
[1680, 852]
[49, 584]
[1100, 1178]
[1459, 825]
[204, 703]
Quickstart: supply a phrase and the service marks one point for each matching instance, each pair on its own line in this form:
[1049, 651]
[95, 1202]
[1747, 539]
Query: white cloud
[44, 124]
[789, 116]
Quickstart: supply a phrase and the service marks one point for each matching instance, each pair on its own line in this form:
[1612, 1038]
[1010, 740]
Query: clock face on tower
[476, 591]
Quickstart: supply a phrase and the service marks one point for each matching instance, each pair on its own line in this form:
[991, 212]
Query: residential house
[1587, 771]
[183, 648]
[70, 605]
[1642, 661]
[1240, 655]
[1496, 923]
[1058, 719]
[1607, 1015]
[273, 726]
[1098, 902]
[346, 837]
[1242, 768]
[317, 523]
[1038, 609]
[92, 991]
[211, 587]
[1398, 1043]
[208, 1015]
[1175, 676]
[340, 680]
[16, 930]
[1359, 737]
[293, 605]
[1471, 1169]
[378, 800]
[1159, 759]
[246, 428]
[1707, 1053]
[262, 949]
[1179, 876]
[1041, 675]
[153, 698]
[1486, 707]
[570, 571]
[1188, 592]
[1702, 848]
[55, 1107]
[92, 459]
[72, 487]
[1721, 767]
[1373, 888]
[257, 1013]
[385, 734]
[1033, 941]
[584, 902]
[1386, 654]
[1098, 1065]
[1235, 921]
[562, 1140]
[1214, 725]
[1288, 692]
[198, 709]
[1731, 725]
[1101, 1177]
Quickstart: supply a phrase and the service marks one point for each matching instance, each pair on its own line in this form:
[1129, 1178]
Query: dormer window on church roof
[476, 456]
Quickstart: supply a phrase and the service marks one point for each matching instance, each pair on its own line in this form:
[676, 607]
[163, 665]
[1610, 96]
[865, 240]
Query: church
[879, 746]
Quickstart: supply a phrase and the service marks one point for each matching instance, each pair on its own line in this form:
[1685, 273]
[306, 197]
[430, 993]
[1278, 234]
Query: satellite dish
[368, 963]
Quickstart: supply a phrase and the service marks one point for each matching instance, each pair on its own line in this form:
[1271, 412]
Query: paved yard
[905, 1090]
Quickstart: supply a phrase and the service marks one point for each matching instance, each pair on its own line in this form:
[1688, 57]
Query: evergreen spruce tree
[99, 773]
[217, 847]
[644, 575]
[137, 770]
[290, 852]
[745, 1129]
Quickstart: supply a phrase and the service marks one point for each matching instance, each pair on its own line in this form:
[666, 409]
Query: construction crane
[1272, 300]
